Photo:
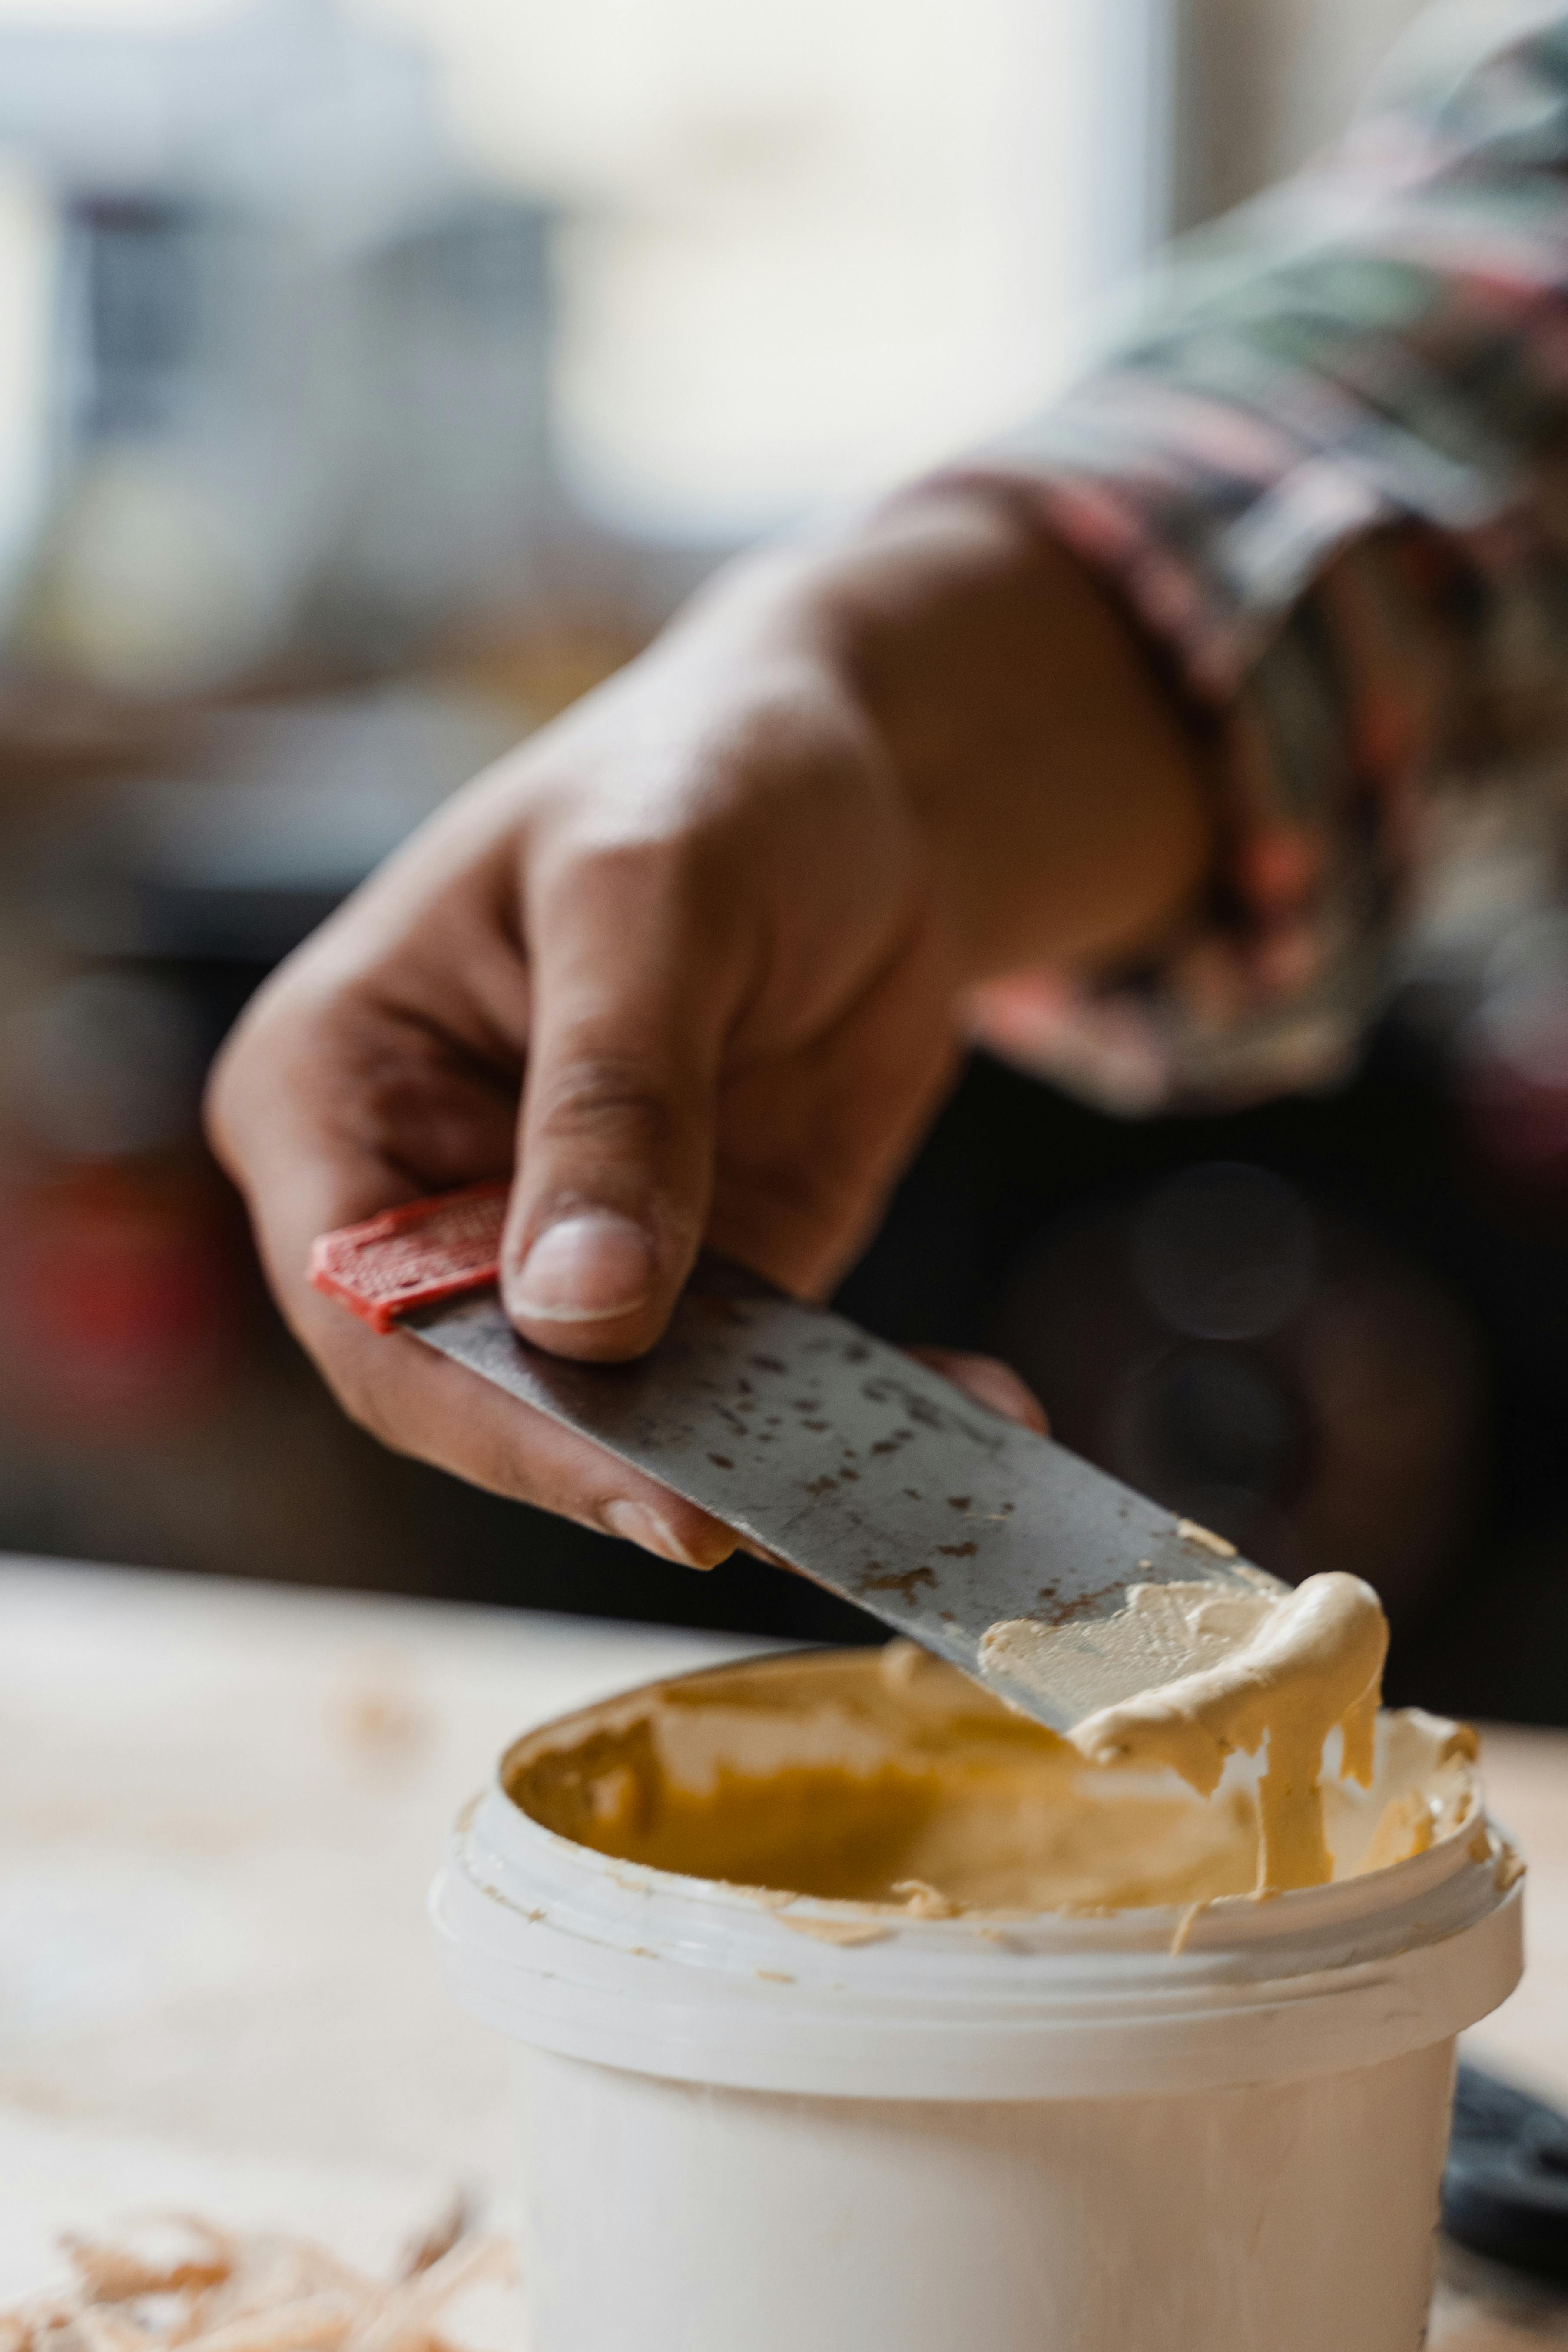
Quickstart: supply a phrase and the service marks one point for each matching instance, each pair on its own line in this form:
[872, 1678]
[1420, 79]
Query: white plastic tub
[1055, 2135]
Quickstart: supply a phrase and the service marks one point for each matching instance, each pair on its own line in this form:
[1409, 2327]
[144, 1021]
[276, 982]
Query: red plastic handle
[412, 1255]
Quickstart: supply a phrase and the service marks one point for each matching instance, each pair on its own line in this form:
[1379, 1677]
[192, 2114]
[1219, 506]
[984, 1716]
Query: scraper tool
[827, 1448]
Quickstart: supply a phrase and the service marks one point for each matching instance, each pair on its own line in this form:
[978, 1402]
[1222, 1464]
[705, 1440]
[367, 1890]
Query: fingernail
[1002, 1391]
[638, 1525]
[588, 1269]
[1007, 1396]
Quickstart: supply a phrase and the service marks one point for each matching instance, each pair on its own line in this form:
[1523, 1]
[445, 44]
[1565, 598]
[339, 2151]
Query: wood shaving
[845, 1932]
[160, 2257]
[175, 2284]
[312, 2322]
[107, 2331]
[922, 1901]
[1184, 1926]
[440, 2237]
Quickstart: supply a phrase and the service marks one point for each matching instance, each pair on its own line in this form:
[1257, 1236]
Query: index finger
[305, 1170]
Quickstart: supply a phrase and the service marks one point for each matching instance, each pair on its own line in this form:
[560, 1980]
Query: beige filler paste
[1250, 1668]
[888, 1780]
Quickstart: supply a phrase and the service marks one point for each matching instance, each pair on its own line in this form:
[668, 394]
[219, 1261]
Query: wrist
[1056, 777]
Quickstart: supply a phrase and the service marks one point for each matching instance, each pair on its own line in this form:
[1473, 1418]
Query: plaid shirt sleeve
[1326, 467]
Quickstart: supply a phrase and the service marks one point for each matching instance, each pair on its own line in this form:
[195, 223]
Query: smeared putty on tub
[1227, 1673]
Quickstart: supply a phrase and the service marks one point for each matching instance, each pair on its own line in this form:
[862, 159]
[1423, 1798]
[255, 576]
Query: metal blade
[868, 1473]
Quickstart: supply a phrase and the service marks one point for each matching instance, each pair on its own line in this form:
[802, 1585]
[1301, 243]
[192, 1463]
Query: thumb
[615, 1151]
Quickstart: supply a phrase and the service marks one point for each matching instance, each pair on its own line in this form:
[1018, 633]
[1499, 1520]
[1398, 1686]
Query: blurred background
[377, 375]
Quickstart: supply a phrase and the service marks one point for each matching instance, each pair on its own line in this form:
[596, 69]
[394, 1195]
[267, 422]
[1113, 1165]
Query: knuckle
[687, 868]
[238, 1074]
[411, 1083]
[596, 1093]
[357, 1400]
[217, 1112]
[355, 1383]
[618, 864]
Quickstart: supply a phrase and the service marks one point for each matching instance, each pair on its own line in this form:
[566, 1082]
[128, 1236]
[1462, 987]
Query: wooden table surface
[220, 1808]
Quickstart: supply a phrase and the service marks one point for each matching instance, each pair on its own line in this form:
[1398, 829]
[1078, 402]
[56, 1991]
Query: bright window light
[805, 245]
[26, 275]
[810, 244]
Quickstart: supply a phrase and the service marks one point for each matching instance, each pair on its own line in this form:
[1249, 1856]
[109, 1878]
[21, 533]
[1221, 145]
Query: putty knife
[826, 1447]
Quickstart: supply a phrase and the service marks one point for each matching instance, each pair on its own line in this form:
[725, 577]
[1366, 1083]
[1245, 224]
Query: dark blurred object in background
[1276, 1371]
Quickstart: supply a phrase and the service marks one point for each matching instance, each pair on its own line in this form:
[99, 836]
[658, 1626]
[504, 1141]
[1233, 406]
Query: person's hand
[690, 961]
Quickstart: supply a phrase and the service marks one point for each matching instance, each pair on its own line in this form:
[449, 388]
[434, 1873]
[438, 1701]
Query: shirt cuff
[1320, 701]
